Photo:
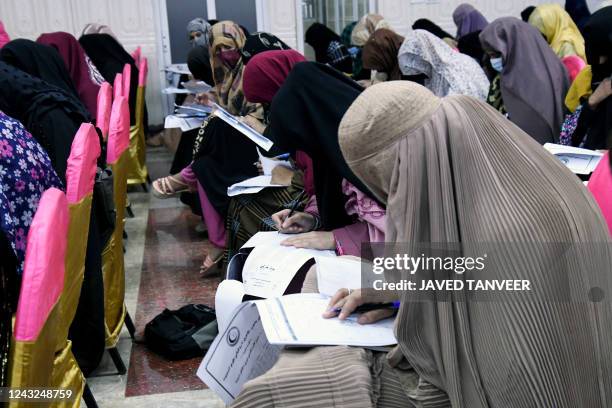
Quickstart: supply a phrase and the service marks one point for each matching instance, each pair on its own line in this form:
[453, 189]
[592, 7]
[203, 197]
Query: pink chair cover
[574, 65]
[600, 185]
[143, 69]
[136, 54]
[43, 271]
[119, 133]
[127, 77]
[105, 101]
[4, 37]
[118, 86]
[81, 170]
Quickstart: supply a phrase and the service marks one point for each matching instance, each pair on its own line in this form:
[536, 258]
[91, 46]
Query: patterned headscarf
[448, 72]
[260, 42]
[366, 27]
[228, 82]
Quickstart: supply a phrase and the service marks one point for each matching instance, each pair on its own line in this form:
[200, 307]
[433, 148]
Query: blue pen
[282, 156]
[368, 307]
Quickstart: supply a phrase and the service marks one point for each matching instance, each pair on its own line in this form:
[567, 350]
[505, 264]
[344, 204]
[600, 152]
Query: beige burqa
[454, 170]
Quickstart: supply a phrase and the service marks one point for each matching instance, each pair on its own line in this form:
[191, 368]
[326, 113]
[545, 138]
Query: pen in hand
[368, 307]
[293, 208]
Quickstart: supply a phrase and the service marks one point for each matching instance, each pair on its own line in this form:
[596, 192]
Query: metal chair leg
[88, 397]
[129, 211]
[129, 325]
[114, 353]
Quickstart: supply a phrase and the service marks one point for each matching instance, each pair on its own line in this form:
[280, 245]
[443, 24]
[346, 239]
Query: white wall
[134, 22]
[131, 20]
[402, 13]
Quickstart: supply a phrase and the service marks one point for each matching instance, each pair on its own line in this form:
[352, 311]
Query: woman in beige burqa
[453, 170]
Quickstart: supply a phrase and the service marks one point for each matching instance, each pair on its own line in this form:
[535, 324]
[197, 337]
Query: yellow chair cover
[31, 363]
[66, 371]
[113, 269]
[35, 342]
[137, 167]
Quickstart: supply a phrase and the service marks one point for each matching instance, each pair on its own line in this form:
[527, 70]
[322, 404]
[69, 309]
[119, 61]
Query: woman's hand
[254, 123]
[299, 222]
[603, 91]
[348, 300]
[205, 98]
[312, 240]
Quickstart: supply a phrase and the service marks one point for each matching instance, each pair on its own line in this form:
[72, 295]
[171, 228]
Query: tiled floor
[163, 254]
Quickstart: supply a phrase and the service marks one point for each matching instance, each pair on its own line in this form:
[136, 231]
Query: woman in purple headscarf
[468, 19]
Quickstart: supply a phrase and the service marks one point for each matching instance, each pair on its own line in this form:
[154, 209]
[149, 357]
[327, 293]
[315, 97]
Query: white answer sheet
[243, 128]
[297, 320]
[269, 269]
[239, 353]
[251, 186]
[337, 273]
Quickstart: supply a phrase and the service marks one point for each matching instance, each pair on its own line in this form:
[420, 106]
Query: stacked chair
[41, 354]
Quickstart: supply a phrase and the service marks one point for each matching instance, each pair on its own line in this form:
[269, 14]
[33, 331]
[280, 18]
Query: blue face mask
[497, 64]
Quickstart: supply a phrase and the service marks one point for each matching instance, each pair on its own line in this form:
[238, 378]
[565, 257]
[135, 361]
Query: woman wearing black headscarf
[38, 60]
[305, 115]
[594, 125]
[579, 11]
[428, 25]
[53, 117]
[328, 48]
[110, 57]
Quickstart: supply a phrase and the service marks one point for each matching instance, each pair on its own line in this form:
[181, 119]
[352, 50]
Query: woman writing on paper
[222, 155]
[423, 156]
[306, 106]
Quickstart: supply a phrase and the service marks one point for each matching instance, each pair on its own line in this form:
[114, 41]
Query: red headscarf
[74, 57]
[266, 72]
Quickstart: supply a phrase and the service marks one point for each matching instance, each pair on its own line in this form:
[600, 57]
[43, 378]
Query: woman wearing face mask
[222, 155]
[532, 81]
[197, 30]
[431, 62]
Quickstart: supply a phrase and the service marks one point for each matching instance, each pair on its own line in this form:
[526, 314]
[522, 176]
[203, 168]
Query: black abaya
[305, 115]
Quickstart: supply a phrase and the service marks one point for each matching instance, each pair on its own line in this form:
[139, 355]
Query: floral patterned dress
[25, 173]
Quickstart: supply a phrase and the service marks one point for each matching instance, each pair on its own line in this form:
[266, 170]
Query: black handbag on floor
[182, 334]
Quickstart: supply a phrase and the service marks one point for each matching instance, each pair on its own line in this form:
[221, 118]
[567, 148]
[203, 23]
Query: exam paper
[297, 320]
[173, 90]
[251, 186]
[268, 164]
[228, 297]
[196, 87]
[238, 354]
[266, 238]
[337, 273]
[180, 69]
[243, 128]
[269, 269]
[186, 124]
[579, 161]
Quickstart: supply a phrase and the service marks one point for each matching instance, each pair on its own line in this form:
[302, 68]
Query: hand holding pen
[373, 305]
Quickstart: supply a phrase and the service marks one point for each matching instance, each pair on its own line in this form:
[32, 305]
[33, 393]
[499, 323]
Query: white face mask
[497, 64]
